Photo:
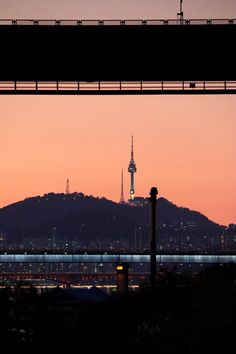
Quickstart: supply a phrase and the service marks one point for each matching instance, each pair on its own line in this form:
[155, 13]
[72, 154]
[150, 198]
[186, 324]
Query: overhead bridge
[81, 57]
[116, 258]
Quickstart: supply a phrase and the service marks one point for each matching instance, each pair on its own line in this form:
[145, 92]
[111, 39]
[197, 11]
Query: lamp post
[140, 237]
[122, 278]
[153, 201]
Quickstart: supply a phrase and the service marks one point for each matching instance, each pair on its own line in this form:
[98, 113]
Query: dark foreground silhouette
[183, 315]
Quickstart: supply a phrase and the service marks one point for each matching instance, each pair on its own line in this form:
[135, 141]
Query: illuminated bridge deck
[116, 258]
[117, 57]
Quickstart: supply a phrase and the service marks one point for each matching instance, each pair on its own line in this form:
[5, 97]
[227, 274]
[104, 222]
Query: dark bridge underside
[185, 55]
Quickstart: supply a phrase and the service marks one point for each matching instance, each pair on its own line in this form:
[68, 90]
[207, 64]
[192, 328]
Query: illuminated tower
[132, 169]
[67, 187]
[122, 198]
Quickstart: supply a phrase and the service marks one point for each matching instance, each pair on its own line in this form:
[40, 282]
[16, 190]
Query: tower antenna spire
[132, 148]
[122, 198]
[67, 186]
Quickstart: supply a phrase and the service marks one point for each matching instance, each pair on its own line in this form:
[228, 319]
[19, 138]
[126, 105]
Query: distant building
[139, 201]
[2, 241]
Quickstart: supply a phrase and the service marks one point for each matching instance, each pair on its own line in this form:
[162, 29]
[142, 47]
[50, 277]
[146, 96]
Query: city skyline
[185, 146]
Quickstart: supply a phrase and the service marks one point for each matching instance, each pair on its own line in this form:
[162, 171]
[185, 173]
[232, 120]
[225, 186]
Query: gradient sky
[184, 145]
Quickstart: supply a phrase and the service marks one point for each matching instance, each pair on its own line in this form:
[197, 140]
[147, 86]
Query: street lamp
[140, 237]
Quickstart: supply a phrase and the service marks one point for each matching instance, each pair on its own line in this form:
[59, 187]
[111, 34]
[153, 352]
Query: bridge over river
[81, 57]
[13, 258]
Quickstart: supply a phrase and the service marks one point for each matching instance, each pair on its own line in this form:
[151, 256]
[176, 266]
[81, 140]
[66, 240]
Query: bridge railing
[80, 87]
[126, 22]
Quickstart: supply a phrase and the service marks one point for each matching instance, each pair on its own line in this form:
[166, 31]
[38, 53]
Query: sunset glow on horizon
[186, 148]
[183, 145]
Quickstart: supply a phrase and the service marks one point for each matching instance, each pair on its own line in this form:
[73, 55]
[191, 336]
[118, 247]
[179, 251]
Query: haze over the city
[184, 145]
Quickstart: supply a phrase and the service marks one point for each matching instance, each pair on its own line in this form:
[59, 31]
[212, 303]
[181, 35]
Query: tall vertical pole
[122, 198]
[153, 200]
[181, 12]
[67, 186]
[140, 238]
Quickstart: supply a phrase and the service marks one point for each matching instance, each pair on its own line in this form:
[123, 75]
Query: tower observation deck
[132, 169]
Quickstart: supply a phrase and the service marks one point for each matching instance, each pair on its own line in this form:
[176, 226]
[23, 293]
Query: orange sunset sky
[184, 145]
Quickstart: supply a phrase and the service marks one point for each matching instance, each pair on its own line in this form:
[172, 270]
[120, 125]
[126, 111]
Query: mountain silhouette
[86, 218]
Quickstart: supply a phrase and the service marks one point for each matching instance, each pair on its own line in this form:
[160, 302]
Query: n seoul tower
[132, 169]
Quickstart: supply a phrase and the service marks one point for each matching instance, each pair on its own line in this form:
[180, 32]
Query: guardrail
[127, 22]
